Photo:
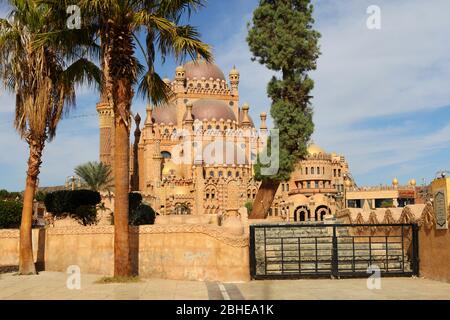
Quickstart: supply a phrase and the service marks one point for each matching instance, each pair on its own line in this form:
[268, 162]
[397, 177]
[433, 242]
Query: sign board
[440, 209]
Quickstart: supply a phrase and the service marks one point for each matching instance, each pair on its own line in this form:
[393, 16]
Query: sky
[381, 97]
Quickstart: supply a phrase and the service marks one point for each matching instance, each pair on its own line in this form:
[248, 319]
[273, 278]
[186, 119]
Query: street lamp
[73, 182]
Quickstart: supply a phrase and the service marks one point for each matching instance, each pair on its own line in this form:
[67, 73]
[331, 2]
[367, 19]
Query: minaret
[106, 124]
[234, 81]
[157, 158]
[180, 78]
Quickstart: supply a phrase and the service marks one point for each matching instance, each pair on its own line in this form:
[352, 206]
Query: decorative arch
[302, 214]
[321, 212]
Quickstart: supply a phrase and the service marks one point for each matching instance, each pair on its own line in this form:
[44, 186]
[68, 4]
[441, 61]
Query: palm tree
[120, 23]
[96, 175]
[43, 81]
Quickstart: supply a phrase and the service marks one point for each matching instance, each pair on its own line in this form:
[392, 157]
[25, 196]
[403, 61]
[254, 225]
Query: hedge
[67, 202]
[10, 214]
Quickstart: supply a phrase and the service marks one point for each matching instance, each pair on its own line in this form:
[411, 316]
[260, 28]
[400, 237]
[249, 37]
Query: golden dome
[315, 149]
[395, 182]
[172, 169]
[412, 182]
[348, 183]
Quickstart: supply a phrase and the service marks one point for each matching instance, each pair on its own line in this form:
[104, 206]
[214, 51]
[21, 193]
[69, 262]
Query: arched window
[211, 173]
[220, 174]
[237, 174]
[306, 170]
[166, 155]
[312, 170]
[318, 170]
[230, 174]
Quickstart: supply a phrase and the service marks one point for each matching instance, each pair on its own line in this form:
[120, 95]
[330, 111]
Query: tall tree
[120, 24]
[42, 75]
[282, 38]
[96, 175]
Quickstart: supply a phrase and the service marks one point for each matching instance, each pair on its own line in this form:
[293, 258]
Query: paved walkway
[52, 286]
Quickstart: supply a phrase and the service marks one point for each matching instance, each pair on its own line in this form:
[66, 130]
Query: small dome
[314, 149]
[211, 109]
[395, 182]
[165, 114]
[412, 182]
[200, 68]
[172, 169]
[234, 71]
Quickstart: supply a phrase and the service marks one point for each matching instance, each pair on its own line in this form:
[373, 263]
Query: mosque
[195, 154]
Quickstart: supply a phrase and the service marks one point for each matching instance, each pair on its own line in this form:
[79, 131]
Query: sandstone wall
[180, 252]
[434, 253]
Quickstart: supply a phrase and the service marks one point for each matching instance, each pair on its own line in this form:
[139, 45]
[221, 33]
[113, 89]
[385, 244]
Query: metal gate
[281, 251]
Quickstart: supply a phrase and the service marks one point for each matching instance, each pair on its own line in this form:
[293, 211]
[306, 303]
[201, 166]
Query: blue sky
[382, 97]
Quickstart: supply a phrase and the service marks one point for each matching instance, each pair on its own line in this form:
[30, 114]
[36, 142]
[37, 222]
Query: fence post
[334, 258]
[252, 251]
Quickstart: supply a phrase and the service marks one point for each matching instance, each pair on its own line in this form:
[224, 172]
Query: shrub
[10, 214]
[10, 196]
[139, 213]
[134, 200]
[143, 215]
[40, 196]
[85, 215]
[64, 202]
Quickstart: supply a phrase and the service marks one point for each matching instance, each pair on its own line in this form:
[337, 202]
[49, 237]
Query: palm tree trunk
[122, 262]
[26, 260]
[264, 199]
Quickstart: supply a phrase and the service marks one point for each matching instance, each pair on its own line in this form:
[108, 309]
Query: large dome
[200, 68]
[209, 109]
[165, 114]
[314, 149]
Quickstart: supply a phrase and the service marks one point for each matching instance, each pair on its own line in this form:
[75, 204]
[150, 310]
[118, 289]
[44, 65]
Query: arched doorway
[182, 209]
[321, 212]
[301, 214]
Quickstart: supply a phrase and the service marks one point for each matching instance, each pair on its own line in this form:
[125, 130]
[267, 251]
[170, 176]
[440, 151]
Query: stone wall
[179, 252]
[434, 253]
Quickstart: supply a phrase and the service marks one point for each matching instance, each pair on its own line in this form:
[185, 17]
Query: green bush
[10, 196]
[85, 215]
[10, 214]
[64, 202]
[143, 215]
[139, 213]
[134, 200]
[78, 204]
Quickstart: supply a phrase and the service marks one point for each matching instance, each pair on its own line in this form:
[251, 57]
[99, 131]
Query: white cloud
[362, 74]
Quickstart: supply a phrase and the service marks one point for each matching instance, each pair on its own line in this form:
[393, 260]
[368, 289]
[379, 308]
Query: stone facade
[181, 252]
